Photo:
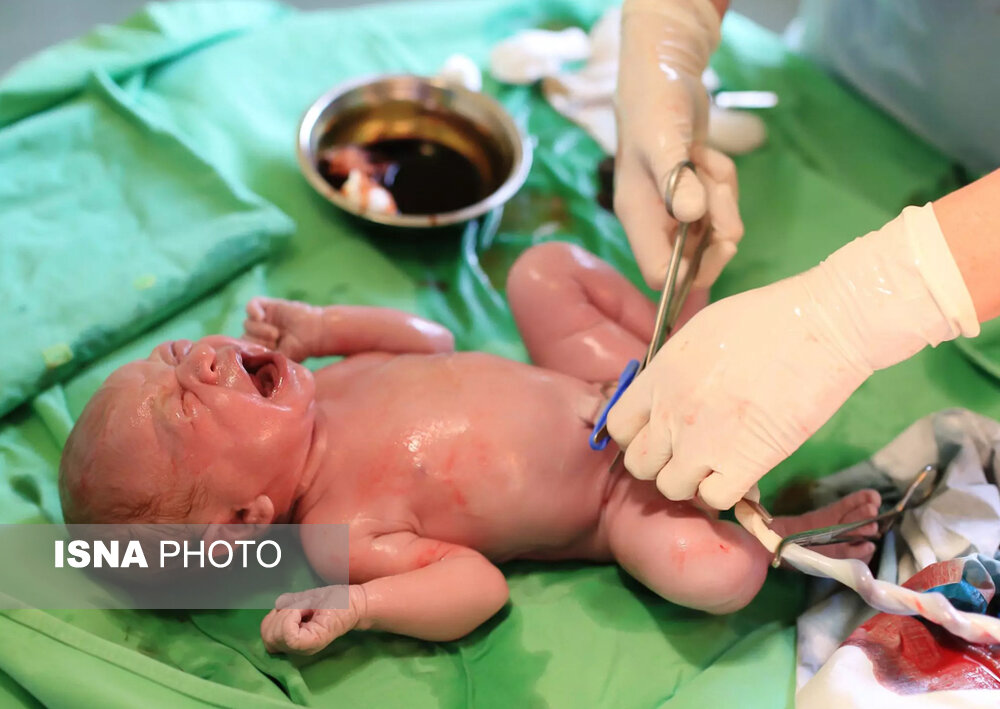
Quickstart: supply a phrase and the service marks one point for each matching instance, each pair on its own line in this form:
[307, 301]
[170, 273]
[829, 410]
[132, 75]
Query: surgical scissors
[669, 309]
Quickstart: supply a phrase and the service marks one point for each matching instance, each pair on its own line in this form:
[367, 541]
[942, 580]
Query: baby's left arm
[414, 586]
[300, 331]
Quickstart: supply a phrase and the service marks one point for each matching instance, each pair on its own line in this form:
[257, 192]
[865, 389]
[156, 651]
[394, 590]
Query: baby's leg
[682, 553]
[690, 558]
[580, 316]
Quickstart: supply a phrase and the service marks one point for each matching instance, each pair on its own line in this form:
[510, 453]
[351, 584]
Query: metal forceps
[671, 302]
[916, 494]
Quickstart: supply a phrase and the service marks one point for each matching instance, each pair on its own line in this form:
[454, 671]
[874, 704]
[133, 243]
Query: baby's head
[216, 431]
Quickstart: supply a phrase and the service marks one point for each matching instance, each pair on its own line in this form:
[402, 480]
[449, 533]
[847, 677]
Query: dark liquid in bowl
[431, 161]
[423, 176]
[427, 177]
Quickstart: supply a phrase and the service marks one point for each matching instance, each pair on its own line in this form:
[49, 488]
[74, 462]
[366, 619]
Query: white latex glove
[751, 377]
[662, 111]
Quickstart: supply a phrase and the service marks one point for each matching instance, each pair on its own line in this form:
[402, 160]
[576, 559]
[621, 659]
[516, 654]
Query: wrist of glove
[890, 293]
[750, 378]
[684, 32]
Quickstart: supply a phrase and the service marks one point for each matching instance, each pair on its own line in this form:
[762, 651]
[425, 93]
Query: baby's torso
[467, 448]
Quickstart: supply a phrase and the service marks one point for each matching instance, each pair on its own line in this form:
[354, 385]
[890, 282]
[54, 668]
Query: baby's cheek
[272, 435]
[195, 451]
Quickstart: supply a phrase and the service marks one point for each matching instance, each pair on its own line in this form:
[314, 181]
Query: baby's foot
[857, 506]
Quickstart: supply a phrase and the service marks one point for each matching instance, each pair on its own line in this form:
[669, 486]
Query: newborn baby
[442, 463]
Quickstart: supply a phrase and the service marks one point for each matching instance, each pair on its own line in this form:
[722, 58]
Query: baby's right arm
[412, 586]
[300, 331]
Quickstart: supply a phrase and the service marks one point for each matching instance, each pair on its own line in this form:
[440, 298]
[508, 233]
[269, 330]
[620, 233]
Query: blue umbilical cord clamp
[599, 438]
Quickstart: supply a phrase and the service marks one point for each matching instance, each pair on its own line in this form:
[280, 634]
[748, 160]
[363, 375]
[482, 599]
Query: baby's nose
[201, 359]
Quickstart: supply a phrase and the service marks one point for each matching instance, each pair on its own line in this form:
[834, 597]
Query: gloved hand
[662, 113]
[751, 377]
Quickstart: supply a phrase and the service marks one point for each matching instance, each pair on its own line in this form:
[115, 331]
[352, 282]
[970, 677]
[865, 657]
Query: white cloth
[460, 70]
[849, 682]
[533, 54]
[962, 518]
[586, 97]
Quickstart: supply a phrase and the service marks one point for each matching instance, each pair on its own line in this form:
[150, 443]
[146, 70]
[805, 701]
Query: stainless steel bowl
[367, 110]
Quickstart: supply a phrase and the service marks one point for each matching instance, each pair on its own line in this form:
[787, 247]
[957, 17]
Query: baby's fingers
[291, 630]
[262, 332]
[274, 627]
[303, 633]
[256, 309]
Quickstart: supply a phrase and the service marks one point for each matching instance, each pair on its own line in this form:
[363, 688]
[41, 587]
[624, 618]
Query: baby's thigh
[576, 313]
[682, 552]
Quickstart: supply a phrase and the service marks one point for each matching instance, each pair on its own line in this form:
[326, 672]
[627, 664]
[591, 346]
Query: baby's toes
[862, 550]
[859, 550]
[871, 499]
[860, 505]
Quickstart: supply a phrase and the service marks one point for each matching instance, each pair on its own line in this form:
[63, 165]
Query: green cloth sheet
[110, 223]
[224, 84]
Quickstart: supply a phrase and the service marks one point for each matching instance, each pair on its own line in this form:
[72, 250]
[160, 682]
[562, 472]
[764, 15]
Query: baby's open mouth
[263, 373]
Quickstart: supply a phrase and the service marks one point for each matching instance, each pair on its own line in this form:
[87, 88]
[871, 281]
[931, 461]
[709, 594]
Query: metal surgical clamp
[671, 302]
[916, 494]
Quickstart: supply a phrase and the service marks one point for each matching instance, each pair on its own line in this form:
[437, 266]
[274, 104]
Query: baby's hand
[282, 325]
[291, 629]
[303, 632]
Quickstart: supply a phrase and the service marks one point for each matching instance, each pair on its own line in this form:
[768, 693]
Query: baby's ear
[259, 512]
[249, 522]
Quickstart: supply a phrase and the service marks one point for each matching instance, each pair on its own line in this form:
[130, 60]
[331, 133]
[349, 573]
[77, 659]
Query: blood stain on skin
[431, 554]
[449, 463]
